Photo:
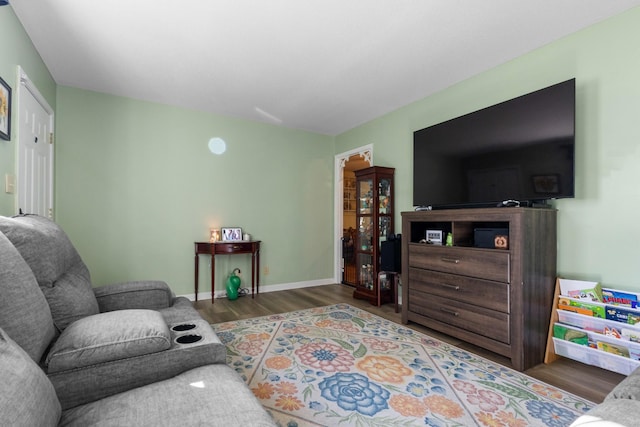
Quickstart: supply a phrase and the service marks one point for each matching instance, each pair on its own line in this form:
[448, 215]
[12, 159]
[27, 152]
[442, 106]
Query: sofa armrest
[628, 388]
[146, 294]
[610, 413]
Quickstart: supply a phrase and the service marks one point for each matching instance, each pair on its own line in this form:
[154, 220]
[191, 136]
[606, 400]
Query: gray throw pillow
[59, 270]
[27, 397]
[110, 336]
[24, 312]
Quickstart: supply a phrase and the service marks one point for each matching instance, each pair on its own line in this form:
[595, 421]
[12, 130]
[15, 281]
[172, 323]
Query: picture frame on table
[5, 110]
[231, 234]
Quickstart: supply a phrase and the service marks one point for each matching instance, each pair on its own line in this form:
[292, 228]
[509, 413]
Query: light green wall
[17, 49]
[598, 231]
[136, 185]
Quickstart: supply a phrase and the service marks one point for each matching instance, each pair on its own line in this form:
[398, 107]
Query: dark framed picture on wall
[547, 184]
[5, 110]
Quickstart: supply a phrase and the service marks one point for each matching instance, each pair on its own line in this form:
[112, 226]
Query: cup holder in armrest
[188, 339]
[183, 327]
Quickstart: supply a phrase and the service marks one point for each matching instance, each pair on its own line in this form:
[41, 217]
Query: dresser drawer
[484, 293]
[478, 320]
[488, 264]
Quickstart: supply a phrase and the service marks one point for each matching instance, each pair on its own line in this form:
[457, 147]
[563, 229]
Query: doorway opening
[35, 150]
[345, 211]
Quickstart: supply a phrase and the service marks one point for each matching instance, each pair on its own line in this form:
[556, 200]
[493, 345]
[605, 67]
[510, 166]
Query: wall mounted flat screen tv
[520, 150]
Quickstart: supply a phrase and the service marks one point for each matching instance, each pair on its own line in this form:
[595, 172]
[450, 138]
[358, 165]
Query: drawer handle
[449, 286]
[237, 246]
[451, 260]
[449, 311]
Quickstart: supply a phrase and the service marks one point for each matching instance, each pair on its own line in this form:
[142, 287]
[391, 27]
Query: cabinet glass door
[365, 270]
[364, 260]
[365, 196]
[384, 228]
[365, 233]
[384, 196]
[385, 207]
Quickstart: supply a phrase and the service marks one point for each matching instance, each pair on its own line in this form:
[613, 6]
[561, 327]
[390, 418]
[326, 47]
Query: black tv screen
[521, 150]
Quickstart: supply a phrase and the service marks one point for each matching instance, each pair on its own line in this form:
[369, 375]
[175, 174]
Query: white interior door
[35, 152]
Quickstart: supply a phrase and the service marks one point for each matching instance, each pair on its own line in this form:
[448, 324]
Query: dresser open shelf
[497, 299]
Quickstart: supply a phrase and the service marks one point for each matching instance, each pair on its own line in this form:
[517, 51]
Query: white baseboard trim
[265, 289]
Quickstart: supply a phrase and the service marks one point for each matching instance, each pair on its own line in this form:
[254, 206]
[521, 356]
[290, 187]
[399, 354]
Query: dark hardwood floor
[582, 380]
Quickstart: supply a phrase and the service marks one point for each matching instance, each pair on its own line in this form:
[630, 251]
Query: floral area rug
[342, 366]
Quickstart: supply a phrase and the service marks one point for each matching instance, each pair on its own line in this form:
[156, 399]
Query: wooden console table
[229, 248]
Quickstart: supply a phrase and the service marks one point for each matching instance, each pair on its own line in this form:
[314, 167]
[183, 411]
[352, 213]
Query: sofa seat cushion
[109, 336]
[24, 312]
[27, 398]
[57, 266]
[212, 395]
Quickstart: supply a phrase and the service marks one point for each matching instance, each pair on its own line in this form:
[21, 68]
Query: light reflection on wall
[217, 145]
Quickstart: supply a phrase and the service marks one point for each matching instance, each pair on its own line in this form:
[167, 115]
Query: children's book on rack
[591, 299]
[623, 315]
[586, 308]
[597, 325]
[621, 298]
[618, 350]
[581, 290]
[570, 334]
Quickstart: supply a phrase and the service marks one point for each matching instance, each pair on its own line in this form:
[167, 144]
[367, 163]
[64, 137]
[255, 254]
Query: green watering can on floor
[233, 284]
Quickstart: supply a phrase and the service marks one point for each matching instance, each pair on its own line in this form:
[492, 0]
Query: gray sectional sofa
[621, 407]
[127, 354]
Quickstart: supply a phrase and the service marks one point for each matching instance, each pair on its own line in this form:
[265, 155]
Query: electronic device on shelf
[518, 150]
[509, 204]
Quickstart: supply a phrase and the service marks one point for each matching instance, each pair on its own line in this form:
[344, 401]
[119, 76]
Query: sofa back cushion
[59, 270]
[27, 397]
[24, 312]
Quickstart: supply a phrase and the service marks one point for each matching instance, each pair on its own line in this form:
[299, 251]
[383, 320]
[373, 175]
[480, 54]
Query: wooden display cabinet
[374, 223]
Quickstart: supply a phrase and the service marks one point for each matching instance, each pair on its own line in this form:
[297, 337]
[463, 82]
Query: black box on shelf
[486, 238]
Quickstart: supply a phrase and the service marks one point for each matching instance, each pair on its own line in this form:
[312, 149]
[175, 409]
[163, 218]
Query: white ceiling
[323, 66]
